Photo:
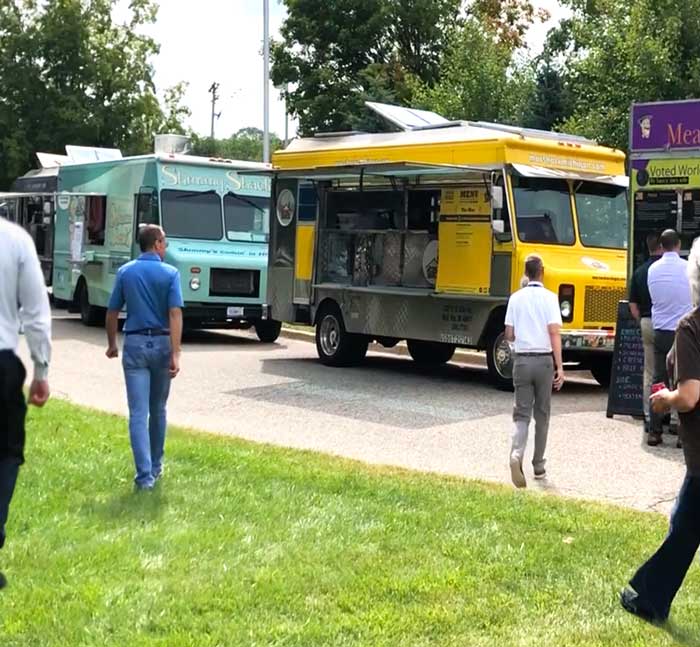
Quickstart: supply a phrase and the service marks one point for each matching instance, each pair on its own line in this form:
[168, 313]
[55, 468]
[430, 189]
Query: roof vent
[172, 144]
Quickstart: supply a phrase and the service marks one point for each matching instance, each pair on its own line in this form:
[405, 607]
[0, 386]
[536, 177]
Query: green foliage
[246, 144]
[478, 80]
[336, 55]
[70, 75]
[246, 544]
[618, 52]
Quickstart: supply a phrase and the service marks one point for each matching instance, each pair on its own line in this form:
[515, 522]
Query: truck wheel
[90, 315]
[268, 330]
[499, 359]
[601, 368]
[336, 346]
[430, 353]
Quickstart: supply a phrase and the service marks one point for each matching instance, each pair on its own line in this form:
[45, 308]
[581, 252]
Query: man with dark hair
[671, 300]
[533, 324]
[23, 301]
[640, 308]
[151, 291]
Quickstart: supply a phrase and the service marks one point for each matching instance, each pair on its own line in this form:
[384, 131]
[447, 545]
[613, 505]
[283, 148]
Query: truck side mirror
[496, 197]
[498, 226]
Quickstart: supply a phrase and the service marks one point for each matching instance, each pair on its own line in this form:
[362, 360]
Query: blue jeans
[659, 579]
[146, 362]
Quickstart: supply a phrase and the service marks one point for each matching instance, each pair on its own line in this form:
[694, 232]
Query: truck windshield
[246, 218]
[191, 214]
[602, 214]
[543, 210]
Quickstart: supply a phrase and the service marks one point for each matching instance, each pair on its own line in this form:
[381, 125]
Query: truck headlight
[195, 283]
[565, 308]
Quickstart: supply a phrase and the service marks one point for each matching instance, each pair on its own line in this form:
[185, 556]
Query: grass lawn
[249, 545]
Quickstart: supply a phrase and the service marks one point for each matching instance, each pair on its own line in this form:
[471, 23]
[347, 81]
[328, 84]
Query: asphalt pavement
[388, 411]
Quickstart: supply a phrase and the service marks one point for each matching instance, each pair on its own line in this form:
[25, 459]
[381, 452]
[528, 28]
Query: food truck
[665, 173]
[421, 235]
[216, 221]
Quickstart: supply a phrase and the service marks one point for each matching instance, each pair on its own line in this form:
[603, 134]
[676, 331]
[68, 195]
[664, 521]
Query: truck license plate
[234, 311]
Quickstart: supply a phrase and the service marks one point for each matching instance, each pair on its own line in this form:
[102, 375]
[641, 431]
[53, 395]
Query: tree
[508, 20]
[70, 75]
[479, 79]
[335, 55]
[548, 105]
[619, 52]
[246, 144]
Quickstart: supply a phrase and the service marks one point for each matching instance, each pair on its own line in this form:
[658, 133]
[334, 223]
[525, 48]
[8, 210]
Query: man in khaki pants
[640, 309]
[533, 324]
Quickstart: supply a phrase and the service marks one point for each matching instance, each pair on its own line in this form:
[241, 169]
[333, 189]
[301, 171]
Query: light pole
[266, 81]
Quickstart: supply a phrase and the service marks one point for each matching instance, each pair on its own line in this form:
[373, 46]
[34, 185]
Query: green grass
[250, 545]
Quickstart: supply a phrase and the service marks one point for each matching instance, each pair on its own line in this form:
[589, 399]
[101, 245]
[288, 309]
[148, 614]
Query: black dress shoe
[654, 438]
[3, 581]
[630, 602]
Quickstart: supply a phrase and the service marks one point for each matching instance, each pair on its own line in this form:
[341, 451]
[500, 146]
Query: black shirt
[639, 290]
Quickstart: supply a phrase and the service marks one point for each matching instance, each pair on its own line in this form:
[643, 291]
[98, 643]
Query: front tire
[334, 345]
[499, 359]
[90, 315]
[430, 353]
[268, 330]
[601, 369]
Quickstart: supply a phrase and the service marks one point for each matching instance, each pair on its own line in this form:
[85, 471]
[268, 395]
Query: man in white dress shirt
[22, 287]
[533, 324]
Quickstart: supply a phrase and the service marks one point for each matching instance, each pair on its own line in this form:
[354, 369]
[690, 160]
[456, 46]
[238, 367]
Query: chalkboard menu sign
[626, 381]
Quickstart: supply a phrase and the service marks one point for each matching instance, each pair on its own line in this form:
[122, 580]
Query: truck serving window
[191, 214]
[543, 210]
[245, 217]
[602, 214]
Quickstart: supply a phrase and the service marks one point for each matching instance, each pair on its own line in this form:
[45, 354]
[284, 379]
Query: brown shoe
[654, 438]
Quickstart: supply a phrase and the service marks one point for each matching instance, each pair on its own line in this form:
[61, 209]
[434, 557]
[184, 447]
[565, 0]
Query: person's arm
[510, 333]
[686, 395]
[35, 314]
[554, 331]
[510, 322]
[175, 305]
[175, 316]
[634, 311]
[116, 303]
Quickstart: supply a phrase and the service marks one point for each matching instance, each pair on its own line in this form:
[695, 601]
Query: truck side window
[147, 209]
[504, 214]
[96, 209]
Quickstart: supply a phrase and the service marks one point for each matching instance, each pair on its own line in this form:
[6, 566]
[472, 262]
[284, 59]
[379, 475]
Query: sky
[206, 41]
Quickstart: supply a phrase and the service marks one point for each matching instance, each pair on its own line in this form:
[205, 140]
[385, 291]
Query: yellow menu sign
[464, 241]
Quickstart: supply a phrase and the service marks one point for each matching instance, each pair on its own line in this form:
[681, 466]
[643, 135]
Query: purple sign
[669, 125]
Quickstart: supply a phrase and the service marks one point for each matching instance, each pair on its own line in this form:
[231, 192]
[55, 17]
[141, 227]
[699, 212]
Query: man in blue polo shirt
[151, 291]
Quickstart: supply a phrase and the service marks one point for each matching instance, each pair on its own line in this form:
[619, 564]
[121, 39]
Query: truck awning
[544, 172]
[378, 169]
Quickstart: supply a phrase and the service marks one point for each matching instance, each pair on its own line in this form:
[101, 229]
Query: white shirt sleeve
[509, 313]
[35, 311]
[554, 314]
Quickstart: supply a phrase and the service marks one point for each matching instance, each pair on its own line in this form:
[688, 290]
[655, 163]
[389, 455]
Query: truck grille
[601, 304]
[234, 283]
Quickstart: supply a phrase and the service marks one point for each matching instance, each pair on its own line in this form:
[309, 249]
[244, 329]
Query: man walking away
[533, 323]
[640, 308]
[670, 301]
[656, 583]
[151, 291]
[22, 286]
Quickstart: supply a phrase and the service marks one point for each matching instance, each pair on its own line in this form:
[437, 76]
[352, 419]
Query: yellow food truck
[421, 235]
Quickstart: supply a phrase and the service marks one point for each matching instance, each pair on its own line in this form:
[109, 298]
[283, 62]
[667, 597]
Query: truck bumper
[579, 345]
[232, 314]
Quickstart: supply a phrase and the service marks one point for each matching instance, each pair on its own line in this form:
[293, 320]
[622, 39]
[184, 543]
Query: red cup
[657, 386]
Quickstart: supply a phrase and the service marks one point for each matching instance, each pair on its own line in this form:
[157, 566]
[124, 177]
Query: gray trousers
[532, 378]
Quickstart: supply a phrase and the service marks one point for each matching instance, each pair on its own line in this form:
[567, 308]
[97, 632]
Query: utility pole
[266, 81]
[214, 98]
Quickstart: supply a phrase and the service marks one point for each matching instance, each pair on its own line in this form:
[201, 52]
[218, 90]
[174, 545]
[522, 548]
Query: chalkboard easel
[627, 378]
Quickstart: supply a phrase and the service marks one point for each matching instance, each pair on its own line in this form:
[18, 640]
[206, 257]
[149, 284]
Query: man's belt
[149, 332]
[541, 354]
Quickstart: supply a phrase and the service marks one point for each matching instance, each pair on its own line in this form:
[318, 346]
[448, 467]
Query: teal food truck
[216, 221]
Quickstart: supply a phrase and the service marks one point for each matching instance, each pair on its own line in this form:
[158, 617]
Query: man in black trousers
[23, 301]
